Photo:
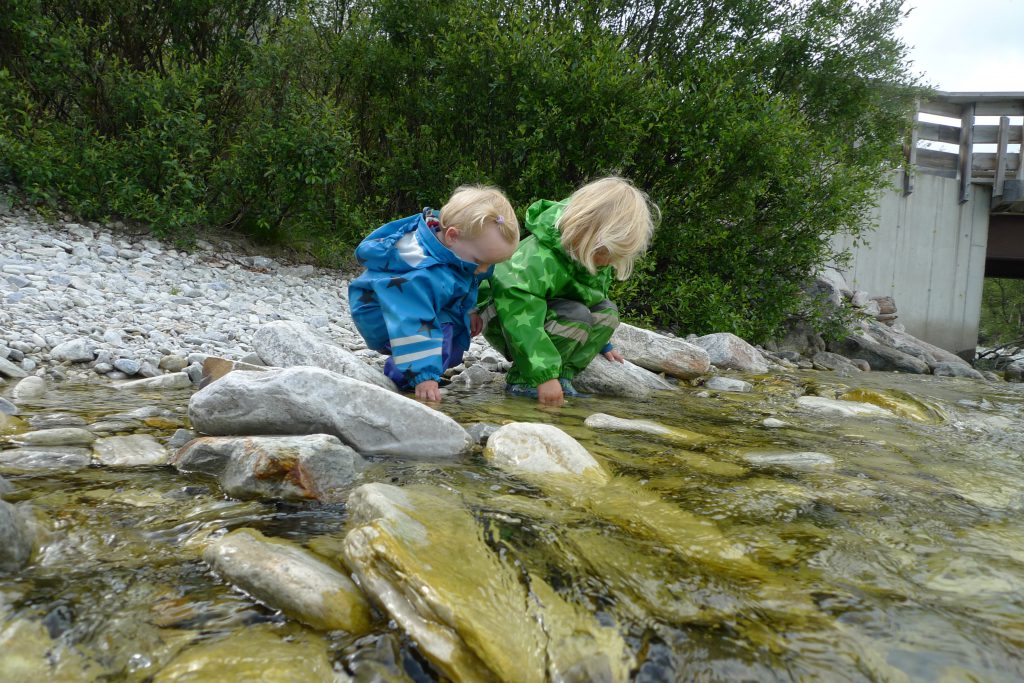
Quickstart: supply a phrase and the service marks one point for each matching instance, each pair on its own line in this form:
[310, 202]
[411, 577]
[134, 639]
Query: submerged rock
[803, 460]
[28, 654]
[306, 400]
[5, 487]
[726, 350]
[16, 541]
[829, 406]
[285, 343]
[131, 450]
[422, 556]
[898, 402]
[257, 653]
[8, 408]
[317, 466]
[174, 380]
[480, 432]
[721, 383]
[610, 378]
[541, 449]
[610, 422]
[60, 436]
[67, 458]
[659, 353]
[289, 578]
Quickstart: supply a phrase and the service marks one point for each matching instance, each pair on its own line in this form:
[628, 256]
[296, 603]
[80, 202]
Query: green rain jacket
[539, 271]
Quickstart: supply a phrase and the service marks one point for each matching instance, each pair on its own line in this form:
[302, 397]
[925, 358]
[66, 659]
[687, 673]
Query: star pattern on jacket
[426, 326]
[367, 297]
[396, 282]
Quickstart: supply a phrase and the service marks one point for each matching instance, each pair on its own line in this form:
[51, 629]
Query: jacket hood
[542, 221]
[386, 250]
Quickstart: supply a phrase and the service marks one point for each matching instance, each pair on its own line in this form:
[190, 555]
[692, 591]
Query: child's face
[485, 249]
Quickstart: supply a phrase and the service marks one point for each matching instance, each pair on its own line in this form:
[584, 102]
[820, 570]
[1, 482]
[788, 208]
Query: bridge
[955, 215]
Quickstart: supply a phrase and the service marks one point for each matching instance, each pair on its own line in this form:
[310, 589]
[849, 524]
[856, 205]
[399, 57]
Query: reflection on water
[903, 560]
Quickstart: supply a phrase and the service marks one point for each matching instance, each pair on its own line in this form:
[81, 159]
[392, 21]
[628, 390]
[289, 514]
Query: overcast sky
[967, 45]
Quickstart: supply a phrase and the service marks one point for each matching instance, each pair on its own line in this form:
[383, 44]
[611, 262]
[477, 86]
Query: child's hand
[614, 356]
[428, 391]
[550, 393]
[476, 324]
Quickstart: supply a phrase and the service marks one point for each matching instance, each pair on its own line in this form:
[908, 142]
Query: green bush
[761, 127]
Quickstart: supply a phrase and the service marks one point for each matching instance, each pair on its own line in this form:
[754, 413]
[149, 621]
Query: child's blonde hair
[611, 214]
[471, 207]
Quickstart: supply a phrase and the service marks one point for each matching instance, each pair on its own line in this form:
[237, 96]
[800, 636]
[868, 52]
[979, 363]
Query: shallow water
[903, 561]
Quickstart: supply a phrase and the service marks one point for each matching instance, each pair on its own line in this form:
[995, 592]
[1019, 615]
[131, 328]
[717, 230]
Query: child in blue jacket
[416, 299]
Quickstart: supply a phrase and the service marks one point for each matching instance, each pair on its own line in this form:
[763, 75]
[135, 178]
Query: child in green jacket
[547, 307]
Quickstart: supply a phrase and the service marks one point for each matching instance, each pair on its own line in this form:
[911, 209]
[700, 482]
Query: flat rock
[289, 578]
[258, 652]
[659, 353]
[317, 467]
[627, 380]
[286, 344]
[130, 450]
[539, 449]
[61, 436]
[944, 369]
[829, 406]
[804, 460]
[727, 351]
[16, 539]
[5, 487]
[174, 380]
[9, 369]
[474, 615]
[67, 458]
[879, 356]
[826, 360]
[721, 383]
[307, 400]
[619, 424]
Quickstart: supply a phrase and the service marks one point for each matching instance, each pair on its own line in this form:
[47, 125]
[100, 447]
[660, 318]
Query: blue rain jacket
[412, 286]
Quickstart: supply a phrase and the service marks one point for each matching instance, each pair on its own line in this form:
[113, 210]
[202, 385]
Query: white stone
[728, 351]
[29, 389]
[720, 383]
[539, 449]
[803, 460]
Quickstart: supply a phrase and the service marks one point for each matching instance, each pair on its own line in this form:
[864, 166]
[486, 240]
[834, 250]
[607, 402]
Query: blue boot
[521, 390]
[569, 391]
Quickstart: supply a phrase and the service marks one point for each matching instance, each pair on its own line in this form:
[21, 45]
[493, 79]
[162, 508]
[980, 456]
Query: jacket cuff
[424, 377]
[607, 347]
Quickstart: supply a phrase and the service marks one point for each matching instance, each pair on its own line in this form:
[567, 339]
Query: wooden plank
[1001, 154]
[966, 150]
[936, 159]
[985, 163]
[1008, 108]
[989, 134]
[938, 108]
[938, 132]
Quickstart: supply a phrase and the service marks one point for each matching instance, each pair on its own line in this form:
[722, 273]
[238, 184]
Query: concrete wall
[928, 253]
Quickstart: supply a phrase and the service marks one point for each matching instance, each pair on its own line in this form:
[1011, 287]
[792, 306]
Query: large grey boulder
[307, 400]
[610, 378]
[476, 616]
[67, 458]
[726, 350]
[80, 350]
[317, 466]
[825, 360]
[659, 353]
[16, 539]
[878, 356]
[285, 344]
[289, 578]
[911, 345]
